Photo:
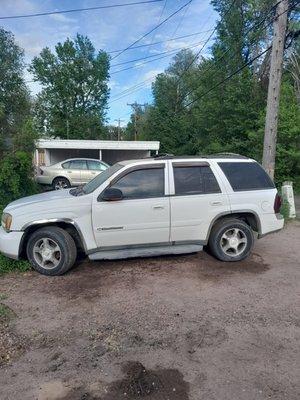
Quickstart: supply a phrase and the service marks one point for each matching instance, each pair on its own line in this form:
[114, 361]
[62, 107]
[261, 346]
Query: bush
[16, 177]
[9, 265]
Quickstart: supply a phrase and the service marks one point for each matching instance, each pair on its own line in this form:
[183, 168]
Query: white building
[51, 151]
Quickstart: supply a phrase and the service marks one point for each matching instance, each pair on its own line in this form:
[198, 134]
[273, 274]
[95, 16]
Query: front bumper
[10, 243]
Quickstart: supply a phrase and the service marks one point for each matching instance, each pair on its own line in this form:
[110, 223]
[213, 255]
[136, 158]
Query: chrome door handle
[158, 207]
[216, 203]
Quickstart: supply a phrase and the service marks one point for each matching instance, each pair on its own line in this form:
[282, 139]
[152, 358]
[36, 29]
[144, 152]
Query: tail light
[277, 203]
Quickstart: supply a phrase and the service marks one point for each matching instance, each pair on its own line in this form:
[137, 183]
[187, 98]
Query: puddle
[160, 384]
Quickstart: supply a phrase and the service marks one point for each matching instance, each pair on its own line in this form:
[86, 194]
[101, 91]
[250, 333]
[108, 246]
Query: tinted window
[194, 180]
[96, 165]
[66, 165]
[78, 164]
[246, 176]
[142, 183]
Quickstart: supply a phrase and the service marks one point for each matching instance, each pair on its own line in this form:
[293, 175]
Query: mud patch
[139, 382]
[211, 269]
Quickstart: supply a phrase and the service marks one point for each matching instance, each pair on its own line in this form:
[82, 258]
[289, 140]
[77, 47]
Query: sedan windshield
[101, 178]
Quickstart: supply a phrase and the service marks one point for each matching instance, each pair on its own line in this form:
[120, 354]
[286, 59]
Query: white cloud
[152, 74]
[61, 18]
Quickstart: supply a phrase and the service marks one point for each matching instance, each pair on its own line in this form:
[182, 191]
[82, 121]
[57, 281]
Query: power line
[146, 62]
[153, 29]
[247, 32]
[79, 9]
[155, 55]
[230, 76]
[207, 40]
[161, 41]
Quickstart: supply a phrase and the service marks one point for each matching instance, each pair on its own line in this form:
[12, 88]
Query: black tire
[217, 242]
[60, 183]
[66, 254]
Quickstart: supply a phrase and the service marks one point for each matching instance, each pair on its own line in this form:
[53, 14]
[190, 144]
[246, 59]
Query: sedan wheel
[60, 183]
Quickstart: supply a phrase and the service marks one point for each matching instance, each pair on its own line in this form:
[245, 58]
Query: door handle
[69, 172]
[158, 207]
[216, 203]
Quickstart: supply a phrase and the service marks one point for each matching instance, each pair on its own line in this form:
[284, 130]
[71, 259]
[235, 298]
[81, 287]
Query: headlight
[6, 221]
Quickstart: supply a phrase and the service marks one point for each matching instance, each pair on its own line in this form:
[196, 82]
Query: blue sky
[112, 29]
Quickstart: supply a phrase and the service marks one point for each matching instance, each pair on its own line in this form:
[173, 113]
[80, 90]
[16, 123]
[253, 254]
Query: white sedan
[72, 172]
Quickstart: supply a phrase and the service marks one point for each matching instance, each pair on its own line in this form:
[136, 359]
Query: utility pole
[279, 29]
[135, 106]
[119, 120]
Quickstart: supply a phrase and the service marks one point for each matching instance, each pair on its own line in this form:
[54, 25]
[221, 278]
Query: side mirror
[112, 194]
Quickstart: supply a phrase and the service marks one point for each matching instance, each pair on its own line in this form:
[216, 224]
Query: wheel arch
[59, 177]
[248, 216]
[65, 223]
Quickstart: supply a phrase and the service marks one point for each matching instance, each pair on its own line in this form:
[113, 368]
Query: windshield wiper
[78, 191]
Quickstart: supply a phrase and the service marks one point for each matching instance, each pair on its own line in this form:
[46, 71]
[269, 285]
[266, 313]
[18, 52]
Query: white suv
[146, 207]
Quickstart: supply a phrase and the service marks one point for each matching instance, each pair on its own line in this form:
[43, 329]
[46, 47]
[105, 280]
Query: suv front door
[142, 217]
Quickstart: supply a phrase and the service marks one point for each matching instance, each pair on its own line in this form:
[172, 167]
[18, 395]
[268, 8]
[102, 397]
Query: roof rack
[226, 155]
[166, 156]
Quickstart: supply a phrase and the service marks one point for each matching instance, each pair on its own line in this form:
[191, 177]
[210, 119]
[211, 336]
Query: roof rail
[166, 156]
[226, 155]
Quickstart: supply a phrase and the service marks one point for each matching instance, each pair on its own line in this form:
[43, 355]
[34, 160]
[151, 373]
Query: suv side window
[96, 165]
[78, 164]
[244, 176]
[194, 179]
[142, 183]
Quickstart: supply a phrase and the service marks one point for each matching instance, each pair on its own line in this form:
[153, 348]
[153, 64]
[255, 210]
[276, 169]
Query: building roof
[97, 144]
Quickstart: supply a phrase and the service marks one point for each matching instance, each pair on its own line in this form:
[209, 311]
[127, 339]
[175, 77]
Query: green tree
[14, 97]
[74, 79]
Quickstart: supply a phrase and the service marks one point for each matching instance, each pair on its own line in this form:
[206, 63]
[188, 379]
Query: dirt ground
[177, 328]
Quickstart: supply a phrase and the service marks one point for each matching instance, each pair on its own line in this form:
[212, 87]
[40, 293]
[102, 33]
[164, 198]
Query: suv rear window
[196, 179]
[246, 176]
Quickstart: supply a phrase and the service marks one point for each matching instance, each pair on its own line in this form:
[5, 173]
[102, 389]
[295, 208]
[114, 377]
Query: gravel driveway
[177, 328]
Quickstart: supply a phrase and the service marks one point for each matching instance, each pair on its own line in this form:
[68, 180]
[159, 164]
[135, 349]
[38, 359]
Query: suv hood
[39, 198]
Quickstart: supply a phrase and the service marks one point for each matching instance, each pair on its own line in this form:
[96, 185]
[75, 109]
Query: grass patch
[6, 313]
[9, 265]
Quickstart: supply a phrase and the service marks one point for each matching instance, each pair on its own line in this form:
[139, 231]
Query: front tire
[60, 183]
[51, 251]
[231, 240]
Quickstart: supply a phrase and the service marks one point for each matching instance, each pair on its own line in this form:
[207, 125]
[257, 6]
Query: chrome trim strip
[110, 228]
[54, 220]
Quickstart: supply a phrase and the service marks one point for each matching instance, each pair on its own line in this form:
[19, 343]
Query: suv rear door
[197, 198]
[142, 217]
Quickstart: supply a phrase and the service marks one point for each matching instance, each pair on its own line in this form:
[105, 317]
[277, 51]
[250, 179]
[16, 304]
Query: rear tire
[60, 183]
[231, 240]
[51, 251]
